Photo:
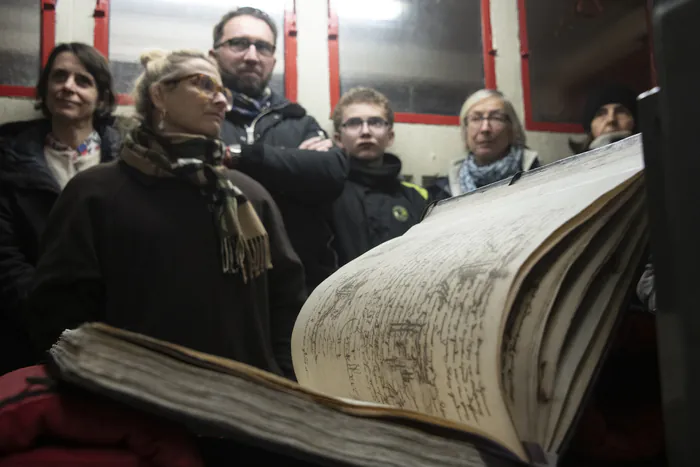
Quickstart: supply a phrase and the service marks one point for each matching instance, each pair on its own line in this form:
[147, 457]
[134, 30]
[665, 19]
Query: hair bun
[152, 55]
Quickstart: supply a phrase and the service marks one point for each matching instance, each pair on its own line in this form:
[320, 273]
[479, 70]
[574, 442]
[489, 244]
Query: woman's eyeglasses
[496, 120]
[206, 86]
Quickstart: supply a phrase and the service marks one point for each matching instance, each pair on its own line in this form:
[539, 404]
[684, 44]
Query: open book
[469, 341]
[494, 312]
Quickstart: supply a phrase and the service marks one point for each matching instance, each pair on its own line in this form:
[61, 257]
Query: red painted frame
[650, 28]
[48, 42]
[101, 43]
[530, 123]
[291, 76]
[488, 52]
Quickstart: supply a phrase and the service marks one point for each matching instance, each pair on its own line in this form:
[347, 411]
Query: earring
[161, 123]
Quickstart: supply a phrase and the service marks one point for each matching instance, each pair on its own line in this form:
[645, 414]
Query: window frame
[101, 43]
[488, 52]
[530, 123]
[47, 41]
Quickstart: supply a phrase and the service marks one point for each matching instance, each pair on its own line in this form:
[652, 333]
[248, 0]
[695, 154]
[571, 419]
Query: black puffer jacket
[28, 191]
[375, 206]
[303, 183]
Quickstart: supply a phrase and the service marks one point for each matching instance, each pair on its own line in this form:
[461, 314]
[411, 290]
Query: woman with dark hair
[37, 158]
[166, 241]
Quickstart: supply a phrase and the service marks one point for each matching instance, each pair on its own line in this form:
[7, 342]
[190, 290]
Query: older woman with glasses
[167, 241]
[494, 140]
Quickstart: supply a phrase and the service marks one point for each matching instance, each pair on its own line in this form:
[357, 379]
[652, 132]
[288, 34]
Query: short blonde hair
[159, 65]
[519, 138]
[361, 95]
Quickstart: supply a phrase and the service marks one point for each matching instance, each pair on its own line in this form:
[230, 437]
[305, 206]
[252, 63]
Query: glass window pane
[137, 25]
[20, 42]
[572, 52]
[425, 55]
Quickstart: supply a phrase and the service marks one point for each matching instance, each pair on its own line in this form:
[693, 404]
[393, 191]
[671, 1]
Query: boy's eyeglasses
[355, 124]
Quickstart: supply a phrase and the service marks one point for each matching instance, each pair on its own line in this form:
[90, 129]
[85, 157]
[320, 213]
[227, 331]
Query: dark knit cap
[611, 94]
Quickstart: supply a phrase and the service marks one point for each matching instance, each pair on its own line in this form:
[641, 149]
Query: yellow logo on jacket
[400, 213]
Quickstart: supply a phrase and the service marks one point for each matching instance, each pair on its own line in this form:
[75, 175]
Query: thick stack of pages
[496, 310]
[227, 399]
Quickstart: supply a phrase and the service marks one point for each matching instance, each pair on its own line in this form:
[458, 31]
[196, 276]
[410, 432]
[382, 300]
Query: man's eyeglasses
[355, 124]
[495, 120]
[242, 44]
[206, 86]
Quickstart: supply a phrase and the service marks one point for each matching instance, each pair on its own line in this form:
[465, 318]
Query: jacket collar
[22, 161]
[278, 105]
[384, 176]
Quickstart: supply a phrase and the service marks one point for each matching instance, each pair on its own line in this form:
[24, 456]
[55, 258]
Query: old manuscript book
[494, 312]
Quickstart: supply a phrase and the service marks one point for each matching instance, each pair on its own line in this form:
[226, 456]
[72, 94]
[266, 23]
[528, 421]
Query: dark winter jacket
[375, 206]
[28, 191]
[303, 183]
[143, 254]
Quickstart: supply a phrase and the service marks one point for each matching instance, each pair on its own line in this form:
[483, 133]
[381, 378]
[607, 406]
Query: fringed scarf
[245, 246]
[473, 176]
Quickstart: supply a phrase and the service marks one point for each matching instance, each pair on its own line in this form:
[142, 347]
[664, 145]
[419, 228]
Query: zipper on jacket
[250, 134]
[250, 129]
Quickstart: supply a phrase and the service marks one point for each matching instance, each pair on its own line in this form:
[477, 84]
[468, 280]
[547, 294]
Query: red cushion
[29, 410]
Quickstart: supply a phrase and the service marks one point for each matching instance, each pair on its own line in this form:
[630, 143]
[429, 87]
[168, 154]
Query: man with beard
[274, 141]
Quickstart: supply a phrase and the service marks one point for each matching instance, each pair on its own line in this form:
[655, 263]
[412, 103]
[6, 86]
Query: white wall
[425, 149]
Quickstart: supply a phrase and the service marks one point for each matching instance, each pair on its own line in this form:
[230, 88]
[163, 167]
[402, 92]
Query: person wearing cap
[610, 114]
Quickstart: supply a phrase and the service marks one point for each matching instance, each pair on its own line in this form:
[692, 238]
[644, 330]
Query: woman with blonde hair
[167, 241]
[494, 140]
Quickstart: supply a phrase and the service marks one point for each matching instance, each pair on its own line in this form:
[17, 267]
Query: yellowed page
[536, 308]
[583, 356]
[416, 323]
[584, 300]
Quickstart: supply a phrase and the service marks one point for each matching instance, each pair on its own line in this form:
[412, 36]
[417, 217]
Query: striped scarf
[248, 106]
[245, 246]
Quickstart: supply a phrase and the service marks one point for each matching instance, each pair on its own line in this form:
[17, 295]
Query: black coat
[28, 191]
[143, 254]
[303, 183]
[375, 206]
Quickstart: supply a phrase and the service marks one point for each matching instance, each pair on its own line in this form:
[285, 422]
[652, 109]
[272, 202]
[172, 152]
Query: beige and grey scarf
[245, 246]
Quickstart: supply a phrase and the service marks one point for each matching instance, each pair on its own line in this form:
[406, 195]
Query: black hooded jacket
[28, 191]
[376, 206]
[303, 183]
